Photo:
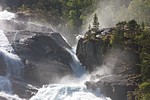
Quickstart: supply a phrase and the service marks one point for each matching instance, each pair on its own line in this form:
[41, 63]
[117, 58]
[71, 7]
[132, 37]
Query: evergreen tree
[95, 23]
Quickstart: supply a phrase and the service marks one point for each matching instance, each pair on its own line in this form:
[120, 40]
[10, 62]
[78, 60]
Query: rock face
[114, 86]
[44, 55]
[89, 52]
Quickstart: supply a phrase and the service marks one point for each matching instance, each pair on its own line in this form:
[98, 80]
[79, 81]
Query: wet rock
[3, 98]
[89, 52]
[44, 55]
[23, 89]
[114, 86]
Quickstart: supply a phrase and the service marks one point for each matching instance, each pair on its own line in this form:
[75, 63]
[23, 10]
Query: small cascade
[5, 85]
[11, 61]
[66, 92]
[4, 43]
[76, 65]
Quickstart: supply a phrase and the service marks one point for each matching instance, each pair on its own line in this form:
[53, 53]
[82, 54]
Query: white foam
[4, 43]
[9, 96]
[5, 15]
[66, 92]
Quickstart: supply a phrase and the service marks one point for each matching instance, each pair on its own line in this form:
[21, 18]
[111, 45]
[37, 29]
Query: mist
[110, 12]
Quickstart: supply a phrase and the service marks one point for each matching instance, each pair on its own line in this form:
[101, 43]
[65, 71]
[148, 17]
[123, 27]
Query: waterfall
[14, 68]
[69, 91]
[9, 60]
[76, 66]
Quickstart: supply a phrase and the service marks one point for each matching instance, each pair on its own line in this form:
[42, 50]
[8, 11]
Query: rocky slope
[114, 62]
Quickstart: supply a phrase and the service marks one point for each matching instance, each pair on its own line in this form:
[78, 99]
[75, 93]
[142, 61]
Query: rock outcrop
[118, 72]
[114, 86]
[89, 52]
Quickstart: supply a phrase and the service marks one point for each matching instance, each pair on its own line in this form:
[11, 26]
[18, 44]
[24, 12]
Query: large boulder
[44, 55]
[23, 89]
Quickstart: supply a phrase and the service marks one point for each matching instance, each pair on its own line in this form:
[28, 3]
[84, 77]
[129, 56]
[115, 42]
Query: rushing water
[9, 61]
[5, 85]
[66, 92]
[76, 65]
[14, 68]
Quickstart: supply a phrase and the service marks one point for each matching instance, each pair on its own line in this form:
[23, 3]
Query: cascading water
[5, 85]
[69, 91]
[66, 92]
[12, 62]
[14, 68]
[9, 61]
[76, 65]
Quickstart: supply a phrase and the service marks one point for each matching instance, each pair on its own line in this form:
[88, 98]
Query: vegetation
[95, 23]
[135, 39]
[132, 38]
[145, 90]
[90, 34]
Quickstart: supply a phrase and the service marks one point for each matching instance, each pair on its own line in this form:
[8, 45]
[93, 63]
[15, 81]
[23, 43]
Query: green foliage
[117, 39]
[95, 23]
[133, 27]
[145, 87]
[144, 42]
[145, 91]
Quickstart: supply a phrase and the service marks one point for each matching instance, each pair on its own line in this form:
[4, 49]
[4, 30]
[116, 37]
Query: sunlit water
[50, 92]
[66, 92]
[76, 65]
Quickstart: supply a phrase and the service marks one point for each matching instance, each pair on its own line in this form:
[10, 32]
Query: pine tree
[95, 23]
